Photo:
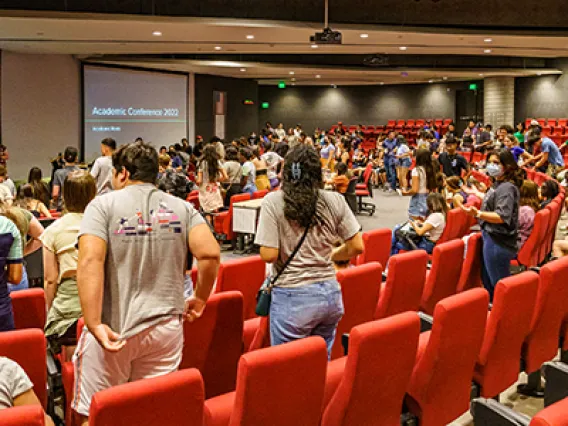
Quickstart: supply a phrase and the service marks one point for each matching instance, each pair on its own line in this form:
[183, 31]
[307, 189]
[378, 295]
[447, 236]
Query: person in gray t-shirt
[102, 168]
[16, 388]
[306, 299]
[70, 157]
[133, 251]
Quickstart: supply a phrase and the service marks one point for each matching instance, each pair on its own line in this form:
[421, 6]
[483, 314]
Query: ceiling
[235, 48]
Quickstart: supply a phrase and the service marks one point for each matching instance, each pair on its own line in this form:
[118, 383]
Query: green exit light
[281, 85]
[473, 86]
[265, 105]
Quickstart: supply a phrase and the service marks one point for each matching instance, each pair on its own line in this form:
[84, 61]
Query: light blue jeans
[309, 310]
[24, 283]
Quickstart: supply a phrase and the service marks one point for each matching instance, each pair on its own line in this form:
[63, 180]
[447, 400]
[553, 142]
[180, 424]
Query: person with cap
[102, 168]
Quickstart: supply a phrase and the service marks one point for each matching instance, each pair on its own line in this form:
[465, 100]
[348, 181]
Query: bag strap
[273, 281]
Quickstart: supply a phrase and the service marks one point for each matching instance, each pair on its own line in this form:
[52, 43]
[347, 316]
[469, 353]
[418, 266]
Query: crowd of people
[104, 257]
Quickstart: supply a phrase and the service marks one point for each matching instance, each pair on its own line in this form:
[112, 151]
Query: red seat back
[403, 288]
[173, 399]
[553, 415]
[360, 290]
[377, 247]
[245, 275]
[507, 326]
[28, 349]
[529, 254]
[27, 415]
[442, 280]
[29, 308]
[440, 386]
[259, 194]
[224, 221]
[381, 358]
[282, 385]
[555, 212]
[213, 342]
[456, 222]
[470, 276]
[261, 338]
[541, 345]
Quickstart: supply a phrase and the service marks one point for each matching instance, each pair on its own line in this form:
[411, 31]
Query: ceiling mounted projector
[327, 36]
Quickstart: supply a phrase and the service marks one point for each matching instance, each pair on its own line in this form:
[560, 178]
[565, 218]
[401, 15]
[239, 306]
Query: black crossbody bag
[264, 296]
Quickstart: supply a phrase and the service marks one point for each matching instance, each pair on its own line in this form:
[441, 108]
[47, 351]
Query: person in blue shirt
[390, 145]
[550, 159]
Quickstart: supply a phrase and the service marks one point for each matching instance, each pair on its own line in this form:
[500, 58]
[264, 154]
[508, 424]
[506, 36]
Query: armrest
[217, 411]
[426, 321]
[556, 374]
[487, 412]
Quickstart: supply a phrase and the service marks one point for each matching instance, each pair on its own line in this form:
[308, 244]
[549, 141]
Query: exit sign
[473, 86]
[265, 105]
[281, 85]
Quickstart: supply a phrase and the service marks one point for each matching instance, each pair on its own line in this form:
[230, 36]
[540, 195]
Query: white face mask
[494, 170]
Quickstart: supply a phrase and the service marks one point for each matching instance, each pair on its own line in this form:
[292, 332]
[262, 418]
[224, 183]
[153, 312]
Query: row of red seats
[551, 122]
[374, 378]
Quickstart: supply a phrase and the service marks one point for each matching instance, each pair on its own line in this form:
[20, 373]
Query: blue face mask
[494, 170]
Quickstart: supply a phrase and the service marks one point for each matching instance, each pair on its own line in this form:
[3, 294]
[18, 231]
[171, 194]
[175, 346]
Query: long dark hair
[211, 161]
[302, 180]
[39, 189]
[424, 159]
[511, 171]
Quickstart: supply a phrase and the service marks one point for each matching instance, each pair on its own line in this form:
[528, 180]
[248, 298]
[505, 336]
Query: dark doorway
[469, 106]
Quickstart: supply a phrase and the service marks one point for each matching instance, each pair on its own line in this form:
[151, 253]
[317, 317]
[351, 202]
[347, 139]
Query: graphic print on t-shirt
[161, 222]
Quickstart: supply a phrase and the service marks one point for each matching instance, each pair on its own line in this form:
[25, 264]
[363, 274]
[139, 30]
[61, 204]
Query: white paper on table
[244, 220]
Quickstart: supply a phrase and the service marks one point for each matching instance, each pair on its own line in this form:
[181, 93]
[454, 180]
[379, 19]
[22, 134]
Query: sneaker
[399, 191]
[391, 190]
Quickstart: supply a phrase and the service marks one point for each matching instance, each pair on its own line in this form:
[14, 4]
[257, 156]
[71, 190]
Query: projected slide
[125, 104]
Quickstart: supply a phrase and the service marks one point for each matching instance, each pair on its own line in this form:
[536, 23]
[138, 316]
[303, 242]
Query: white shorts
[153, 352]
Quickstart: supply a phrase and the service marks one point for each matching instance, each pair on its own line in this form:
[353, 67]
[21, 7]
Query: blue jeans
[391, 172]
[398, 245]
[309, 310]
[24, 284]
[496, 263]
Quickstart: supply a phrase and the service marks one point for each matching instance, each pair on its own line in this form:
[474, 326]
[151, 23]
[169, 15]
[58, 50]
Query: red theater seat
[27, 415]
[553, 415]
[28, 349]
[173, 399]
[442, 280]
[377, 247]
[508, 324]
[278, 386]
[224, 220]
[402, 291]
[259, 194]
[457, 222]
[245, 275]
[440, 387]
[213, 342]
[541, 344]
[470, 276]
[368, 387]
[360, 287]
[29, 308]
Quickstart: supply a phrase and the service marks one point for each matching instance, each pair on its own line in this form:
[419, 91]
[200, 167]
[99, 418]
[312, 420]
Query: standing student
[133, 251]
[389, 146]
[403, 162]
[232, 167]
[424, 181]
[11, 259]
[306, 298]
[452, 163]
[102, 169]
[70, 158]
[40, 188]
[273, 160]
[209, 177]
[499, 218]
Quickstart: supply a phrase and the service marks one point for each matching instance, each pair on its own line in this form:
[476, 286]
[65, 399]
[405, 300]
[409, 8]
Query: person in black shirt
[452, 164]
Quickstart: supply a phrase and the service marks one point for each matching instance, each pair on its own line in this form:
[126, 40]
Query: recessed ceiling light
[334, 86]
[293, 84]
[314, 46]
[488, 40]
[364, 36]
[381, 83]
[291, 73]
[218, 47]
[481, 74]
[539, 74]
[403, 47]
[430, 81]
[157, 33]
[445, 78]
[293, 79]
[487, 51]
[318, 76]
[250, 37]
[243, 69]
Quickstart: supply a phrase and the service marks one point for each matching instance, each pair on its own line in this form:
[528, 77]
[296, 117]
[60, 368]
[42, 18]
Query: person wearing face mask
[499, 217]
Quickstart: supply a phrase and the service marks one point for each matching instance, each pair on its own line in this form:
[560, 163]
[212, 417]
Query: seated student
[452, 163]
[233, 169]
[429, 231]
[171, 180]
[560, 248]
[455, 195]
[27, 201]
[547, 191]
[16, 388]
[550, 159]
[529, 205]
[341, 181]
[60, 257]
[512, 144]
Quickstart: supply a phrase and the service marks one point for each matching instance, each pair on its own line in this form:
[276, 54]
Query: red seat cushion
[27, 415]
